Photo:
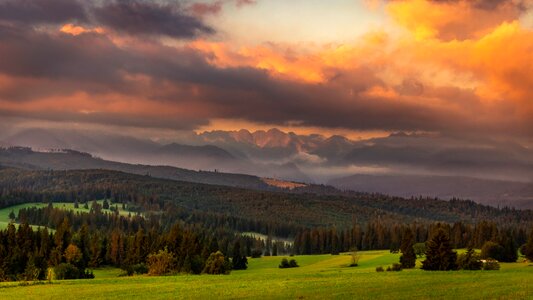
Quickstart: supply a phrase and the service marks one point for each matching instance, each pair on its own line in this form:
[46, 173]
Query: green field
[318, 277]
[4, 213]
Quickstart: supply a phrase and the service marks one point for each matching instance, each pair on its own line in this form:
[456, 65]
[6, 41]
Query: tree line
[379, 235]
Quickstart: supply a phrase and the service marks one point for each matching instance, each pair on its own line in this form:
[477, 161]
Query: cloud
[76, 72]
[157, 18]
[452, 19]
[215, 7]
[149, 17]
[201, 9]
[240, 3]
[77, 30]
[42, 12]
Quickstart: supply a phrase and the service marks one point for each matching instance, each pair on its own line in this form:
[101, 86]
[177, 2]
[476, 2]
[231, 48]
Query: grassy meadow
[318, 277]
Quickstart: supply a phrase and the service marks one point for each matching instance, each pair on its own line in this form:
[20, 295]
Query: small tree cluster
[217, 264]
[505, 251]
[469, 261]
[285, 263]
[160, 263]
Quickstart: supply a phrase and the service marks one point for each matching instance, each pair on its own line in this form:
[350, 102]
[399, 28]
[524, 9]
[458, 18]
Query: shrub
[65, 271]
[88, 274]
[492, 250]
[256, 253]
[355, 258]
[293, 263]
[160, 263]
[490, 265]
[198, 264]
[379, 269]
[128, 269]
[140, 268]
[217, 264]
[469, 261]
[396, 267]
[31, 273]
[285, 263]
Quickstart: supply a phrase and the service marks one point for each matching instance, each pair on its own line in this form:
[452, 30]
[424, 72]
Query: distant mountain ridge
[25, 158]
[490, 172]
[493, 192]
[132, 150]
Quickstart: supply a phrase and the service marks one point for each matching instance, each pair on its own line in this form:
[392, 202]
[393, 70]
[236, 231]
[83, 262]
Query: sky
[358, 68]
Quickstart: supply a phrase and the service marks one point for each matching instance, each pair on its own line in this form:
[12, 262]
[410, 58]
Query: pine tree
[275, 249]
[439, 253]
[408, 258]
[239, 261]
[510, 250]
[527, 250]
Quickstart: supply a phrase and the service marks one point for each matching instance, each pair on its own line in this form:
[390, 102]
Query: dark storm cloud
[126, 16]
[42, 11]
[149, 17]
[89, 57]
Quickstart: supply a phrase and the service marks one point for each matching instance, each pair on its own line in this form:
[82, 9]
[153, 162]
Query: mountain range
[493, 172]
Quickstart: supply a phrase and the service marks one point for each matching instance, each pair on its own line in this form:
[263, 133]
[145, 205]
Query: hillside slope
[25, 158]
[491, 192]
[304, 209]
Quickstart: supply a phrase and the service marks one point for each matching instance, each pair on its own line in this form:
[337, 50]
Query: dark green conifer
[408, 258]
[439, 253]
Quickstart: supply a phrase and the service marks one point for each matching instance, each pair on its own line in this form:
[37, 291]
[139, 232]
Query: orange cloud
[498, 65]
[285, 63]
[448, 20]
[310, 64]
[77, 30]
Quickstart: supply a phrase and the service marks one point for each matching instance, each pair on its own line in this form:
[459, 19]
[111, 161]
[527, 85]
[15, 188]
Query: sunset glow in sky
[358, 68]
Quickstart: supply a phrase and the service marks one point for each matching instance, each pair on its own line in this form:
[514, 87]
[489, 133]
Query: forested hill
[25, 158]
[301, 209]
